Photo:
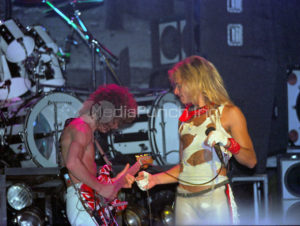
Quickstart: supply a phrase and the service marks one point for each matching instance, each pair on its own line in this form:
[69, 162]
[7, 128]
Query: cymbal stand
[96, 47]
[4, 123]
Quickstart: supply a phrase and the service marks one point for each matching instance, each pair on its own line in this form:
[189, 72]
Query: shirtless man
[106, 109]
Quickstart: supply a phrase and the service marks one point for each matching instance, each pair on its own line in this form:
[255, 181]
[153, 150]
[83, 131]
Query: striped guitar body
[104, 211]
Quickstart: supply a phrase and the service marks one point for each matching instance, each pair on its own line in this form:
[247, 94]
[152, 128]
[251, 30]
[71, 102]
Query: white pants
[76, 213]
[209, 208]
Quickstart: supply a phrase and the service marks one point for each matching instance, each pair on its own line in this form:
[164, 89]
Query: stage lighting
[31, 216]
[135, 216]
[19, 196]
[167, 215]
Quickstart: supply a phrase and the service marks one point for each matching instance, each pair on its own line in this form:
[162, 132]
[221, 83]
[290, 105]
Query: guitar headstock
[144, 160]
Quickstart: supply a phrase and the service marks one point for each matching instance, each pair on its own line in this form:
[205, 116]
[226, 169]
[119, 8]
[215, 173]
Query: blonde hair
[199, 75]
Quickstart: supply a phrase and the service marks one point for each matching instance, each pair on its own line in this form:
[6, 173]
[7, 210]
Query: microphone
[216, 146]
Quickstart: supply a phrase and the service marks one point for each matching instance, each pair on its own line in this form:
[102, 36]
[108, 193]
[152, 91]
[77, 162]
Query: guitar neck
[132, 171]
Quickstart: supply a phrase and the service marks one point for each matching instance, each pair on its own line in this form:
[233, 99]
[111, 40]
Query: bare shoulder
[79, 131]
[232, 110]
[232, 114]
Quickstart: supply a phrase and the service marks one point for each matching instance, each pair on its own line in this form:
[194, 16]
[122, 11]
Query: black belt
[190, 195]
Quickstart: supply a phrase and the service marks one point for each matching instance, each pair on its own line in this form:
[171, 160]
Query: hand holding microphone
[217, 138]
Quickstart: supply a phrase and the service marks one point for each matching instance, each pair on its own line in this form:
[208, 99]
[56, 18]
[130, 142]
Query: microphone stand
[95, 46]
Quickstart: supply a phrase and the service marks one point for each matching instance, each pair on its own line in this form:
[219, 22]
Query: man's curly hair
[119, 96]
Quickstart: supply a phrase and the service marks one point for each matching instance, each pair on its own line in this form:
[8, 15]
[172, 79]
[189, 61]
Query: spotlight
[32, 216]
[135, 216]
[19, 196]
[167, 215]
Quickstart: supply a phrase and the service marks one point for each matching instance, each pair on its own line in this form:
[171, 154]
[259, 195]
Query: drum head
[155, 131]
[13, 42]
[19, 49]
[44, 124]
[164, 134]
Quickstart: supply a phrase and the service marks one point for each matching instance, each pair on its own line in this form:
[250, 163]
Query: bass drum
[44, 121]
[155, 131]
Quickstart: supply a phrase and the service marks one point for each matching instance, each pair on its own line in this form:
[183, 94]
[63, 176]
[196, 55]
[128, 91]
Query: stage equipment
[290, 176]
[12, 81]
[154, 131]
[167, 215]
[168, 40]
[260, 195]
[15, 45]
[44, 120]
[19, 196]
[106, 57]
[293, 84]
[135, 216]
[290, 187]
[44, 65]
[30, 216]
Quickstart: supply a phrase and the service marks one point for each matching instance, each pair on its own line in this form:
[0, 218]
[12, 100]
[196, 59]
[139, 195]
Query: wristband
[234, 147]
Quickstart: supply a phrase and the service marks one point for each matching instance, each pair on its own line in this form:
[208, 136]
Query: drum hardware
[56, 131]
[105, 55]
[56, 126]
[37, 135]
[164, 108]
[2, 140]
[159, 114]
[44, 64]
[163, 126]
[143, 147]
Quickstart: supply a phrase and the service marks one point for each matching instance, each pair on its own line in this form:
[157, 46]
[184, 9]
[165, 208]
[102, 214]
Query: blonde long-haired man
[212, 130]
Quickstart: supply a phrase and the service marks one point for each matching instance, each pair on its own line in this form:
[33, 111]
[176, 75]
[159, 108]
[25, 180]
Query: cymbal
[81, 4]
[40, 2]
[35, 2]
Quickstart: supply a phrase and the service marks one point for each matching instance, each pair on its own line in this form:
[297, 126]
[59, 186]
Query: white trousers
[212, 207]
[76, 213]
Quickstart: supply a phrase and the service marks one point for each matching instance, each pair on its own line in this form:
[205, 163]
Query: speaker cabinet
[290, 210]
[172, 37]
[169, 38]
[290, 176]
[290, 186]
[293, 89]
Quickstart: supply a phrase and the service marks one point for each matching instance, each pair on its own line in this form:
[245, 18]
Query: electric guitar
[104, 211]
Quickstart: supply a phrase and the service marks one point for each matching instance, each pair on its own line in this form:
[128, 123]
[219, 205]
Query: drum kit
[154, 132]
[32, 112]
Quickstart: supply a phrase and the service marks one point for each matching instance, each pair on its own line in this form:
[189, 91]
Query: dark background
[148, 37]
[255, 73]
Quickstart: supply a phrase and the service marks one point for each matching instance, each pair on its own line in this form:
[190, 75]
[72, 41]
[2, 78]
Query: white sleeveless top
[199, 162]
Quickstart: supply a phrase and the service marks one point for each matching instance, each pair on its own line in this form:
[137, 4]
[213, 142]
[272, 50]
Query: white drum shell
[157, 134]
[20, 46]
[39, 129]
[19, 84]
[47, 50]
